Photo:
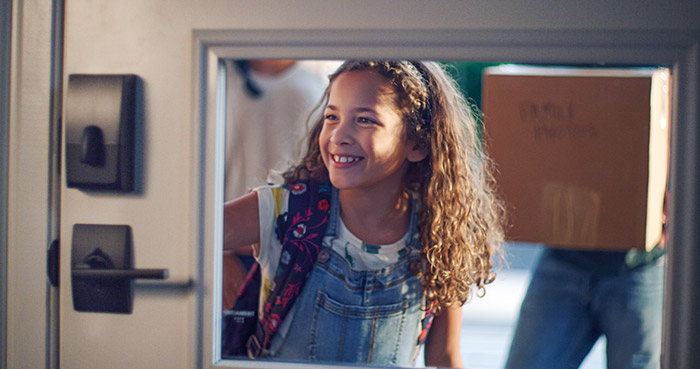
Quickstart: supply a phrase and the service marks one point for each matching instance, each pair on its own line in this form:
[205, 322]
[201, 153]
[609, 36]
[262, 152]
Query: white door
[175, 47]
[153, 40]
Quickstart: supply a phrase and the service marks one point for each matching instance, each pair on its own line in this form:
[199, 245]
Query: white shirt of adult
[266, 134]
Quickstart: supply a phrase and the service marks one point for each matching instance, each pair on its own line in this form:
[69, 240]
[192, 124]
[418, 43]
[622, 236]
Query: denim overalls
[343, 315]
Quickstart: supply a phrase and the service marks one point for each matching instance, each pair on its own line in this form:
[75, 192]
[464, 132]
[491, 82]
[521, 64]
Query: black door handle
[102, 269]
[120, 273]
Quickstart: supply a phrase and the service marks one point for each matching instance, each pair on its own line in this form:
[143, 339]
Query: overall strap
[301, 231]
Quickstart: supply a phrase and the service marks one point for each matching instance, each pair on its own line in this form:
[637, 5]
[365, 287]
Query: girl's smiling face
[363, 141]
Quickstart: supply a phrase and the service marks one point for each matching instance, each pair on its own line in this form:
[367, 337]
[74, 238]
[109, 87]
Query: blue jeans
[567, 308]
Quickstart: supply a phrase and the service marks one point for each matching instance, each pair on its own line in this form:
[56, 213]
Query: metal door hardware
[101, 119]
[102, 268]
[52, 262]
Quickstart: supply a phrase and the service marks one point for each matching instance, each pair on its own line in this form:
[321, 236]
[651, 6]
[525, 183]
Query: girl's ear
[416, 153]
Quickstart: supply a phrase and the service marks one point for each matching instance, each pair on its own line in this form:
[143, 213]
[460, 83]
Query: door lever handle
[102, 271]
[120, 273]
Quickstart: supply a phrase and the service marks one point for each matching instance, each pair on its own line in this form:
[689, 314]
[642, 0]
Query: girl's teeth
[344, 159]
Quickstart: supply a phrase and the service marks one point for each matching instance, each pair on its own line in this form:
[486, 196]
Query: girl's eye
[330, 117]
[366, 120]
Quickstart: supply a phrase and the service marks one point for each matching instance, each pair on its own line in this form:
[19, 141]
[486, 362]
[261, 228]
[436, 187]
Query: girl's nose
[343, 132]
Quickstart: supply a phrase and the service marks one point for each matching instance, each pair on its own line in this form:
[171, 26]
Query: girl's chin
[338, 183]
[341, 182]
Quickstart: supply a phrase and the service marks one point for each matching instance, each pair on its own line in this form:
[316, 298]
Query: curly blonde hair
[461, 219]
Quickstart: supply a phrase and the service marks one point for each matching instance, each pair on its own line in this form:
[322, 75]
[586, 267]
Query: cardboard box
[581, 154]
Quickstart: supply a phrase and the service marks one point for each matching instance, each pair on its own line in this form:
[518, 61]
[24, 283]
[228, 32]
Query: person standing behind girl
[267, 109]
[413, 221]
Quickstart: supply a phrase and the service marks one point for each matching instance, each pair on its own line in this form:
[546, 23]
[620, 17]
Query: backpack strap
[426, 324]
[304, 227]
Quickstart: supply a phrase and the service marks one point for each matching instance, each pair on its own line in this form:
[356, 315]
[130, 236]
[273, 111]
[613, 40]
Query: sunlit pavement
[489, 322]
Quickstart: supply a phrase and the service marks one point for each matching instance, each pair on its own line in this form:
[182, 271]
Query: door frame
[5, 50]
[679, 50]
[29, 311]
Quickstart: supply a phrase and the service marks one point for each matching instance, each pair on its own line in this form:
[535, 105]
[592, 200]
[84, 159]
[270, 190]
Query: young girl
[413, 221]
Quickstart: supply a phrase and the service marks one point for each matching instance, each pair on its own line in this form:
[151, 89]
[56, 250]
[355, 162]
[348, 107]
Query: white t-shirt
[273, 201]
[266, 133]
